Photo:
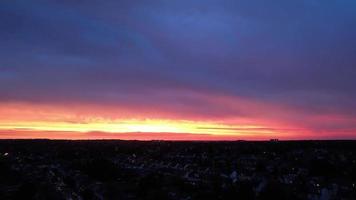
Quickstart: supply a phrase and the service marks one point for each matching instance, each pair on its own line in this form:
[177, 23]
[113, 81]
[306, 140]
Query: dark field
[44, 169]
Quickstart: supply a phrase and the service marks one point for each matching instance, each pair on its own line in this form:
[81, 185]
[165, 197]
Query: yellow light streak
[134, 125]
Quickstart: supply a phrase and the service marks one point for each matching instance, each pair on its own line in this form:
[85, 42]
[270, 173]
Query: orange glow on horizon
[80, 121]
[17, 117]
[147, 125]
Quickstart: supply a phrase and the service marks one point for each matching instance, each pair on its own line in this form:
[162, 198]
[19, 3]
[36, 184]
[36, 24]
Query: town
[115, 169]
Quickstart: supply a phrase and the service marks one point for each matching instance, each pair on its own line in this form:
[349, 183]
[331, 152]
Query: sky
[178, 69]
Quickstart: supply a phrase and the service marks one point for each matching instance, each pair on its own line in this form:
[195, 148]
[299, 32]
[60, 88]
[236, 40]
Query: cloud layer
[280, 62]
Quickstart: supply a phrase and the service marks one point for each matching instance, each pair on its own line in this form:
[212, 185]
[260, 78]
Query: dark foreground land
[44, 169]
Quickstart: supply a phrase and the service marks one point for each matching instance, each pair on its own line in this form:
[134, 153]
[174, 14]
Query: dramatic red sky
[178, 70]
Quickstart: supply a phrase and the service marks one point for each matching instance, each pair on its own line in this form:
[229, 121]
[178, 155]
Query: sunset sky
[178, 69]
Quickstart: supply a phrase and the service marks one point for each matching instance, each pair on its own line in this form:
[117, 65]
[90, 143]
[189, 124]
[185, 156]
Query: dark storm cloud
[295, 53]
